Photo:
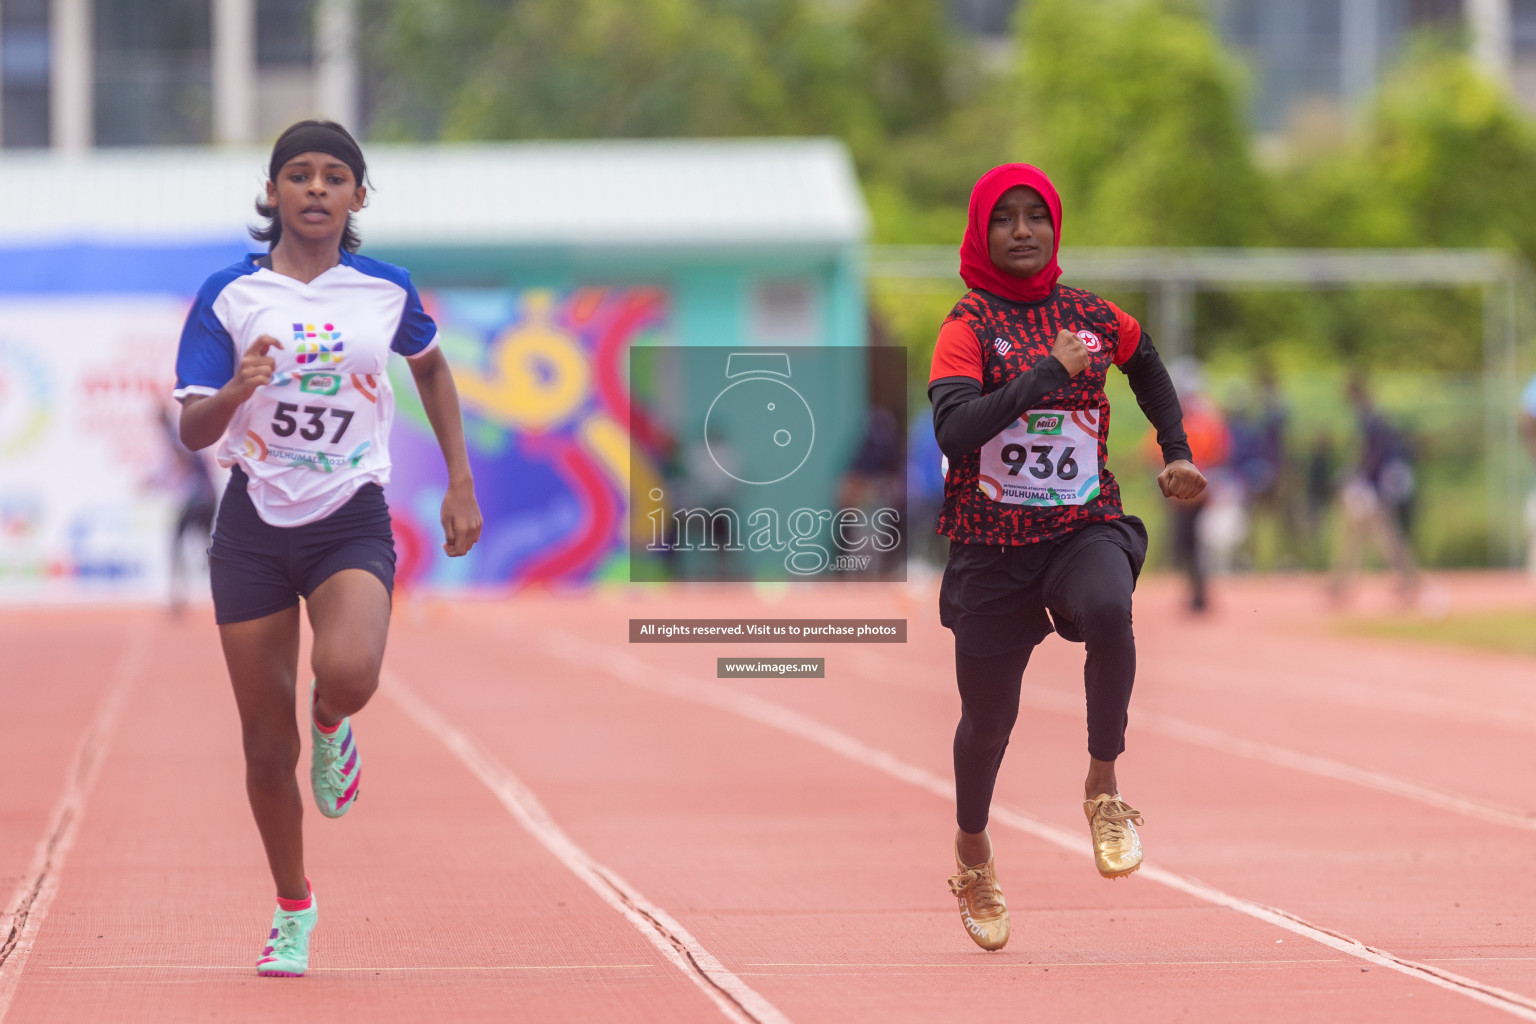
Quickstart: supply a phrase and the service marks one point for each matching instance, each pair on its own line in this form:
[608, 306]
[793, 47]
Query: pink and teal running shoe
[334, 766]
[287, 951]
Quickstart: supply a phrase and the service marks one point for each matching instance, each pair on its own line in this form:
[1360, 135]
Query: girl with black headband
[1039, 542]
[282, 361]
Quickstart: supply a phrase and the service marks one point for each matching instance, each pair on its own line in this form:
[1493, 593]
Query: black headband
[318, 137]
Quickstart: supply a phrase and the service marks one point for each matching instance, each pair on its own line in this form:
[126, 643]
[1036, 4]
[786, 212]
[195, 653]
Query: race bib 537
[311, 425]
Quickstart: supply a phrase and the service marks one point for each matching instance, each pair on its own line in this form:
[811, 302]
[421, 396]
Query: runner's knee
[271, 754]
[1106, 618]
[982, 738]
[346, 679]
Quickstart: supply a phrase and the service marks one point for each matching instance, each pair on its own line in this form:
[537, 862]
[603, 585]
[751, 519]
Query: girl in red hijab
[1039, 542]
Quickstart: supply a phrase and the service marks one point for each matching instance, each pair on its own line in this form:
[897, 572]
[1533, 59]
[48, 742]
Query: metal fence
[1171, 278]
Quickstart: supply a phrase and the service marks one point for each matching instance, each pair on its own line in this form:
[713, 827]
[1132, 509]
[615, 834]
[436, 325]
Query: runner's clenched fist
[1181, 480]
[256, 368]
[1070, 351]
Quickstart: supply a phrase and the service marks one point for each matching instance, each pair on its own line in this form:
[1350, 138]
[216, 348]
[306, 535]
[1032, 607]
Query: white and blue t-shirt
[320, 430]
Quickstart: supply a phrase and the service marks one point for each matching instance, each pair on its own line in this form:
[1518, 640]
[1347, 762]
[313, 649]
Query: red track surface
[789, 829]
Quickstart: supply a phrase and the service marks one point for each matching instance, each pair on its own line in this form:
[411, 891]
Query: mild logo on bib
[320, 383]
[1043, 422]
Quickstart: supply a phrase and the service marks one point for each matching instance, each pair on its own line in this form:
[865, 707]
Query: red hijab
[976, 267]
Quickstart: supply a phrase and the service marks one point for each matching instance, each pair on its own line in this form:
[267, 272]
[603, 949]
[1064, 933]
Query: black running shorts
[258, 569]
[993, 596]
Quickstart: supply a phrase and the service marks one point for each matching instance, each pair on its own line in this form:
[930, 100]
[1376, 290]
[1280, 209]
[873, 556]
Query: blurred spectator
[874, 480]
[192, 483]
[1193, 536]
[1528, 435]
[1375, 503]
[925, 490]
[1262, 466]
[1318, 489]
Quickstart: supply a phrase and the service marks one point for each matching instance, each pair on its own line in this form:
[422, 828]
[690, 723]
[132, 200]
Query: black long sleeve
[964, 419]
[1159, 401]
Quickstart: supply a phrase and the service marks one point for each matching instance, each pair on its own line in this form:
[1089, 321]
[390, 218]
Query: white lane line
[1282, 757]
[367, 969]
[29, 904]
[1061, 702]
[1346, 693]
[971, 964]
[734, 998]
[637, 673]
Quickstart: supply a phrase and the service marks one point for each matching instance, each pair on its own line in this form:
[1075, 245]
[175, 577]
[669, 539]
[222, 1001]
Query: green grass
[1507, 632]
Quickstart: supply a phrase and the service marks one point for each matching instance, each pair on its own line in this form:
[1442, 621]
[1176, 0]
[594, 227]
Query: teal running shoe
[287, 951]
[334, 767]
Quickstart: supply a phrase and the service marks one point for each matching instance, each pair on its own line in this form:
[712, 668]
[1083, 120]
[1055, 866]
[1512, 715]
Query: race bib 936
[1046, 457]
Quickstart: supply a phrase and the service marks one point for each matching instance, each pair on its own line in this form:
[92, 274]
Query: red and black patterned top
[1029, 483]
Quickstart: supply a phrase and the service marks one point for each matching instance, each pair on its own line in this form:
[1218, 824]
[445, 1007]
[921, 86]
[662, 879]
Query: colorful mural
[542, 378]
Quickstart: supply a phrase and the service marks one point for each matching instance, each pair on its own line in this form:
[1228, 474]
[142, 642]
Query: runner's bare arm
[204, 418]
[440, 399]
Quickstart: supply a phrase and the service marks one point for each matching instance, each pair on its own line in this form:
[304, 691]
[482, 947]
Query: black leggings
[1092, 594]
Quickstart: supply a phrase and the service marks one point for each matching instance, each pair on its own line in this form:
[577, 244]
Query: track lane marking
[1005, 964]
[245, 971]
[29, 904]
[1346, 693]
[1060, 702]
[1335, 691]
[732, 996]
[1184, 731]
[637, 673]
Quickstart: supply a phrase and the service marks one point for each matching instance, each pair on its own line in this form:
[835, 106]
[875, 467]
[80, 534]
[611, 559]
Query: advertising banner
[89, 482]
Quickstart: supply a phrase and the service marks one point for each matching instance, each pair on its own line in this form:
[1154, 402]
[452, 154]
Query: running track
[559, 826]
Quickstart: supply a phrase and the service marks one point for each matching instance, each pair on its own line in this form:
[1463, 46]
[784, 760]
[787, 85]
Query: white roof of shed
[728, 192]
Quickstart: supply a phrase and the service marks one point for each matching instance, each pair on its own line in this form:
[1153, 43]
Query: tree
[556, 69]
[1134, 110]
[1448, 161]
[908, 54]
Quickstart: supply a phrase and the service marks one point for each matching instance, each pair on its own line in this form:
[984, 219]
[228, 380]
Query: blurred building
[1331, 53]
[983, 17]
[81, 73]
[539, 294]
[1307, 53]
